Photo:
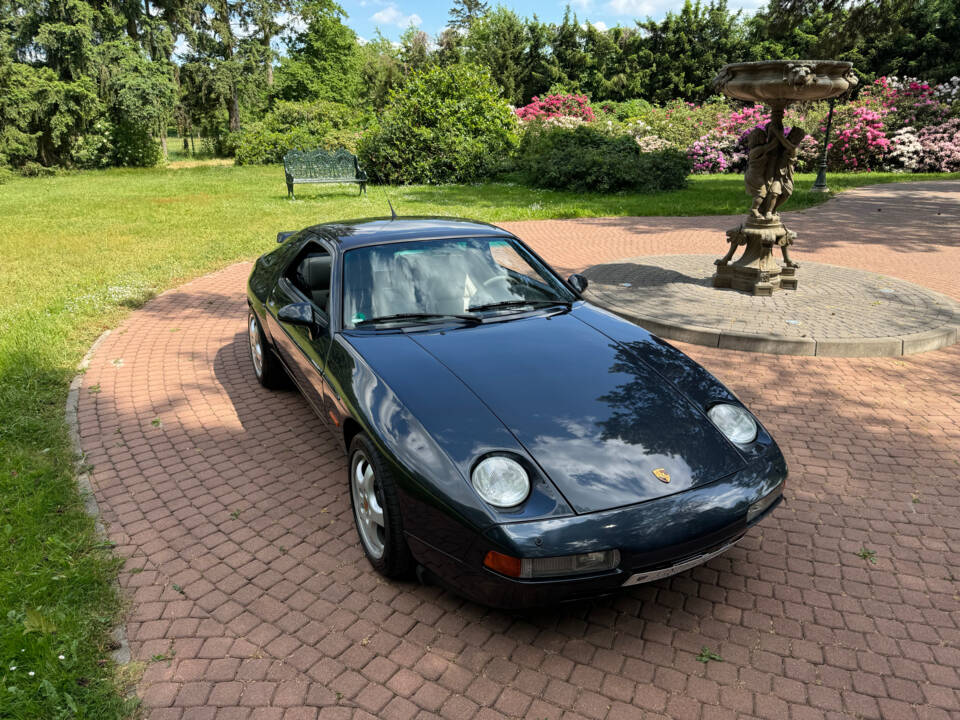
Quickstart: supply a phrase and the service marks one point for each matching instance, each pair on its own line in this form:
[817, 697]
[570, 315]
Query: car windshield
[427, 280]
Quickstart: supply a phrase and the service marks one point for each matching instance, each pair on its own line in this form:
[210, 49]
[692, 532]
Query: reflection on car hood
[597, 419]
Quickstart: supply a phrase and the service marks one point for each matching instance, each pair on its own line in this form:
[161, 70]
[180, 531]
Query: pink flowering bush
[711, 154]
[941, 147]
[557, 106]
[907, 102]
[859, 140]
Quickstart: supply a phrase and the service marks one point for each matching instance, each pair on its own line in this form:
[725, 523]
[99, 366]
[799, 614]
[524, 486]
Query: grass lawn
[76, 253]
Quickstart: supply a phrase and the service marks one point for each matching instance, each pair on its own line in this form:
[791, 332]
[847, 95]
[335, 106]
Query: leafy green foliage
[588, 157]
[302, 126]
[706, 655]
[324, 60]
[698, 40]
[446, 124]
[496, 41]
[42, 115]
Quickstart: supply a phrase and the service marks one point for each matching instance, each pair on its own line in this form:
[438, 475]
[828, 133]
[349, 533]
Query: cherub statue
[781, 180]
[757, 178]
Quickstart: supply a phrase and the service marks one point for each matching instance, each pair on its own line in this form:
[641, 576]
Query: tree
[414, 49]
[263, 21]
[841, 25]
[921, 42]
[324, 60]
[567, 46]
[465, 12]
[139, 96]
[381, 70]
[539, 65]
[497, 41]
[682, 53]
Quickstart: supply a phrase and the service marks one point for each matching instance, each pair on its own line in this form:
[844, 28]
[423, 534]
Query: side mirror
[300, 313]
[578, 282]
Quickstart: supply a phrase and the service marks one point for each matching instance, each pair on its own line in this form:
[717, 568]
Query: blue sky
[394, 16]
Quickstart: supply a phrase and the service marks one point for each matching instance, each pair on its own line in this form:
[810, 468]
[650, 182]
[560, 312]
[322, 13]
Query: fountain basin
[780, 82]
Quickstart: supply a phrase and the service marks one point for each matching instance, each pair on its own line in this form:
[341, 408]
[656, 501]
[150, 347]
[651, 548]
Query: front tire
[266, 367]
[376, 510]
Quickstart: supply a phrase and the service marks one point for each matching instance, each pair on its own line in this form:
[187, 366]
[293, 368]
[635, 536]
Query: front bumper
[656, 539]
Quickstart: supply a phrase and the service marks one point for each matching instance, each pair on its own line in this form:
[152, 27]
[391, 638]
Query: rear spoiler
[281, 236]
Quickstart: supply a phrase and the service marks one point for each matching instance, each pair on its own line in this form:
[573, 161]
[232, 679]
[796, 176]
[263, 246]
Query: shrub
[6, 174]
[35, 169]
[906, 102]
[93, 149]
[445, 124]
[678, 122]
[557, 106]
[941, 147]
[652, 143]
[906, 151]
[627, 109]
[133, 145]
[294, 125]
[948, 92]
[591, 158]
[860, 140]
[712, 153]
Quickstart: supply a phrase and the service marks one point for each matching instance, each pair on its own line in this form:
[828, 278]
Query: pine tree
[465, 12]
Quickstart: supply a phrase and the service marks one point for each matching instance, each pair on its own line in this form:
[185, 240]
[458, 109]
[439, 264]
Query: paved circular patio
[835, 311]
[230, 505]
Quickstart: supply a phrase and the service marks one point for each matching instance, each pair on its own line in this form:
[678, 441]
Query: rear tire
[266, 367]
[376, 510]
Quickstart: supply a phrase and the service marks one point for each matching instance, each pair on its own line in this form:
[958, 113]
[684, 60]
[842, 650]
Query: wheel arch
[351, 428]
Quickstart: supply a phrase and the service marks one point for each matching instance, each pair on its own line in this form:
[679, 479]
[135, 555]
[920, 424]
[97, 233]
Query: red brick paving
[230, 504]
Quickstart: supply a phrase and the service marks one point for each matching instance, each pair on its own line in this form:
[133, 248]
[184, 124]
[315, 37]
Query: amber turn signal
[503, 564]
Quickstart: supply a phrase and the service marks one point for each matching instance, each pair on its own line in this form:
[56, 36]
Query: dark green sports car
[504, 436]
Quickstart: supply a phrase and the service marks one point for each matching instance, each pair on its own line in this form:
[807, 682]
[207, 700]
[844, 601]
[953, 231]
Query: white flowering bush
[563, 121]
[905, 153]
[652, 143]
[948, 92]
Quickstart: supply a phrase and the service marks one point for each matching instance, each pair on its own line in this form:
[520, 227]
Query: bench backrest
[339, 163]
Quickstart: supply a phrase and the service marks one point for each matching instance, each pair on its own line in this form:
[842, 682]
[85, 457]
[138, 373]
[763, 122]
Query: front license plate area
[650, 576]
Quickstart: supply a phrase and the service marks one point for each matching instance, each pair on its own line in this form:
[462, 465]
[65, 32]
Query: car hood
[597, 419]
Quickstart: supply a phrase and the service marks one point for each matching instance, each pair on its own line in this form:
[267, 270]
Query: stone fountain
[769, 174]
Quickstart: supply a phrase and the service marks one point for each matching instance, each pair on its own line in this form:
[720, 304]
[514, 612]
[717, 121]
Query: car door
[304, 348]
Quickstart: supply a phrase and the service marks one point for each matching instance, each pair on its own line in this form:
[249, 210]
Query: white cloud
[637, 8]
[392, 15]
[582, 4]
[600, 25]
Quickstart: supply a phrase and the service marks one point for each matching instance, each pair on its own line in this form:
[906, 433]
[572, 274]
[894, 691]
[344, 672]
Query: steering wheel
[486, 284]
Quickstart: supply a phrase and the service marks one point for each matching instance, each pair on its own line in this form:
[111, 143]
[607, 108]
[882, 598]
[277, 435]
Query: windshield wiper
[518, 303]
[418, 316]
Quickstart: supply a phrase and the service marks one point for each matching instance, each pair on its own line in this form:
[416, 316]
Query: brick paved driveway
[243, 565]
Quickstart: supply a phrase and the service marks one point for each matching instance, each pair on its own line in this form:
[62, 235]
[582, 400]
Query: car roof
[374, 231]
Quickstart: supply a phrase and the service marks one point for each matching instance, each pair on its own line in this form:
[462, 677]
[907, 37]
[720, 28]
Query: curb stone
[121, 656]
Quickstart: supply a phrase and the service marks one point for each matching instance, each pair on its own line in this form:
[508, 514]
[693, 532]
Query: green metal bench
[322, 166]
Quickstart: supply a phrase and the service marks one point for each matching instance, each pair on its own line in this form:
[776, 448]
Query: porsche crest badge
[662, 475]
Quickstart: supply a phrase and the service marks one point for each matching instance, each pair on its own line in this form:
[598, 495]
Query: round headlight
[734, 422]
[502, 482]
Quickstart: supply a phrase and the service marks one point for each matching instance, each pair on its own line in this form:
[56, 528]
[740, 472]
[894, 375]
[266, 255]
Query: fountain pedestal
[757, 271]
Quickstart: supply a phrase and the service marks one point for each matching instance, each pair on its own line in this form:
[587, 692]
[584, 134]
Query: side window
[310, 274]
